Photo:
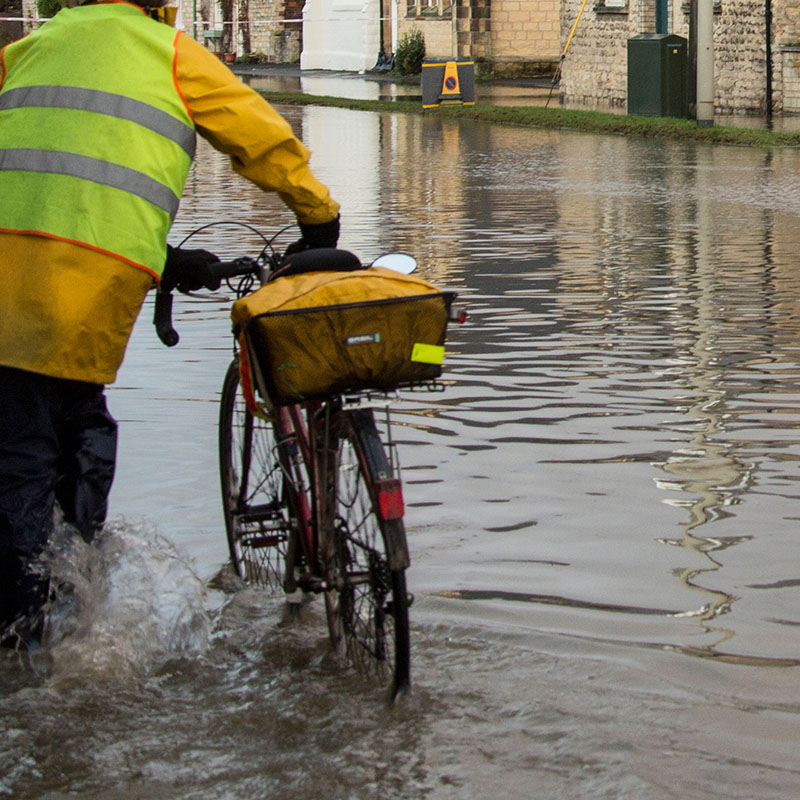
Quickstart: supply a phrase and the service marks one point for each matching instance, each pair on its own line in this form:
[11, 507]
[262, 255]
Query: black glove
[326, 234]
[188, 270]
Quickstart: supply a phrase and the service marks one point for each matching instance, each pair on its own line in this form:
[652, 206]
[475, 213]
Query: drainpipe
[768, 26]
[395, 24]
[382, 50]
[382, 62]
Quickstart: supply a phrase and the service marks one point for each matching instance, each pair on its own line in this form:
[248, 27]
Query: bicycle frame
[296, 456]
[308, 427]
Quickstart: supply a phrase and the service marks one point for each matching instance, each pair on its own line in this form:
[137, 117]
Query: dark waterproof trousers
[57, 444]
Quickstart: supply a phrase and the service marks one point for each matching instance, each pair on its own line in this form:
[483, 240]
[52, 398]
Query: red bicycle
[311, 491]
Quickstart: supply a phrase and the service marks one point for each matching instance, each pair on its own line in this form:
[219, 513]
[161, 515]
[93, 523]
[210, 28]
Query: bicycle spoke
[257, 518]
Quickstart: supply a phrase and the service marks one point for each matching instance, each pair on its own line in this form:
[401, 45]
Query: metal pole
[768, 25]
[692, 66]
[705, 63]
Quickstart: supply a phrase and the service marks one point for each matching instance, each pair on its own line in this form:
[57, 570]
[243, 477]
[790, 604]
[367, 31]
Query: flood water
[602, 507]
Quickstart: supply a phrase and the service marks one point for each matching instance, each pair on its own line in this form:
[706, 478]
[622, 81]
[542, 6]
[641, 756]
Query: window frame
[611, 6]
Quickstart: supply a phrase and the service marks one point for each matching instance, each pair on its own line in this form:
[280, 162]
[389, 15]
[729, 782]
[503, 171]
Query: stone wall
[785, 61]
[278, 42]
[790, 68]
[740, 58]
[525, 30]
[439, 33]
[594, 72]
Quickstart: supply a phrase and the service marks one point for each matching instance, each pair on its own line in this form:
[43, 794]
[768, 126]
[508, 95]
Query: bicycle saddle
[318, 259]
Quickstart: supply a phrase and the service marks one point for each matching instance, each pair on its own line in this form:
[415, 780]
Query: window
[611, 6]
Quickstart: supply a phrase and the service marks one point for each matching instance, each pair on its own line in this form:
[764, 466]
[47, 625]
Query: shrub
[49, 8]
[410, 52]
[256, 57]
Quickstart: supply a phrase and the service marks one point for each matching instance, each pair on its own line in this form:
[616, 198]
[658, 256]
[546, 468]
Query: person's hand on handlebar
[188, 270]
[325, 234]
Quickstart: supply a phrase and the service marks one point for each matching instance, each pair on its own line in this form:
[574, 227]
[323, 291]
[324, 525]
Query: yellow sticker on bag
[427, 353]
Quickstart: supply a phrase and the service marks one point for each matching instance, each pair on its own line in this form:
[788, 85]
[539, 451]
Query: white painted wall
[340, 35]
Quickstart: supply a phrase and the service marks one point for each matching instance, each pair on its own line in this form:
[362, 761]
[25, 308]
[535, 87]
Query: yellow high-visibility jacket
[66, 307]
[93, 155]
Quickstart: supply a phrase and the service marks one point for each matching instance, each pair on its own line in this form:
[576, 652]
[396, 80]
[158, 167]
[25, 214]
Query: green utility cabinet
[658, 75]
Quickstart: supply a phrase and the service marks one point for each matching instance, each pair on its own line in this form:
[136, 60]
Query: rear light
[390, 499]
[458, 315]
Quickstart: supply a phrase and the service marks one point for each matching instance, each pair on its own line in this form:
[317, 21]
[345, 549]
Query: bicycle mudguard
[396, 545]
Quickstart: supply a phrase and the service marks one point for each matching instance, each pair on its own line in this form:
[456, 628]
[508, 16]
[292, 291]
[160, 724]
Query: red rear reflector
[390, 498]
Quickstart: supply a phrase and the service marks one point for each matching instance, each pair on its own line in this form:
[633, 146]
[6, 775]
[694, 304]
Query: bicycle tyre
[255, 501]
[367, 601]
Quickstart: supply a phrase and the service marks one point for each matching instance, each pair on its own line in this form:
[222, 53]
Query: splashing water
[122, 606]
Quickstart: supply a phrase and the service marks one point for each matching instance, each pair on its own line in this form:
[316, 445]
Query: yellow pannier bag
[321, 333]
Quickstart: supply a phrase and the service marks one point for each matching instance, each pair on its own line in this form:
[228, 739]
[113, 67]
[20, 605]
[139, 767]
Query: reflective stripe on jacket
[92, 154]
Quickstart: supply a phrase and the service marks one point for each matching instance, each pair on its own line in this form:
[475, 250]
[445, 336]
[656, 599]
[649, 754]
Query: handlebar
[210, 276]
[162, 319]
[220, 270]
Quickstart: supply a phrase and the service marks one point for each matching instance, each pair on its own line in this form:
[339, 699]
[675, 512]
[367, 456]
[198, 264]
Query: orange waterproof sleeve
[239, 122]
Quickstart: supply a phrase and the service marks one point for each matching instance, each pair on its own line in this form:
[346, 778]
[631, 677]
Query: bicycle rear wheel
[365, 554]
[255, 495]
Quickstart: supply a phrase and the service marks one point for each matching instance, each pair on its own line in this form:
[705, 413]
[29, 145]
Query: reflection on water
[608, 485]
[355, 86]
[634, 340]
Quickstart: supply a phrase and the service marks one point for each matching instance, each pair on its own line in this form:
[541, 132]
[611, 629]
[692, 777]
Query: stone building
[509, 38]
[506, 37]
[756, 53]
[269, 29]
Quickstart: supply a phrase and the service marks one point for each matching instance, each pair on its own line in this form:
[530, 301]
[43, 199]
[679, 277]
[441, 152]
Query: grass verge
[559, 118]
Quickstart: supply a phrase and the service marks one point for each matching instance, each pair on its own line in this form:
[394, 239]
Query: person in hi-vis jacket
[99, 110]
